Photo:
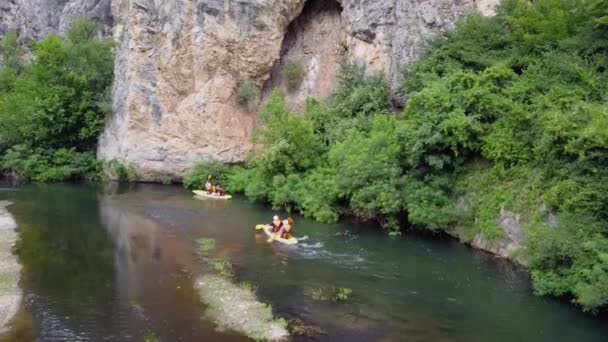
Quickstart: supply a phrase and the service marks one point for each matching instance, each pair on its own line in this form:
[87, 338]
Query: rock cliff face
[35, 19]
[180, 62]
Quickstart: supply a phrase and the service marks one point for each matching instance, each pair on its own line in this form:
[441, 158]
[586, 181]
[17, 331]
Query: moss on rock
[236, 308]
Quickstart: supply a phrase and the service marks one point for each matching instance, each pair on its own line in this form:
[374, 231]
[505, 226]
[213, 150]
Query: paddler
[276, 224]
[220, 190]
[208, 185]
[287, 230]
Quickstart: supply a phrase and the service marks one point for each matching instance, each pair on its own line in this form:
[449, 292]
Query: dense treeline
[53, 103]
[507, 112]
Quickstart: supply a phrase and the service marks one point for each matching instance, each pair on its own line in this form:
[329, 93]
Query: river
[118, 263]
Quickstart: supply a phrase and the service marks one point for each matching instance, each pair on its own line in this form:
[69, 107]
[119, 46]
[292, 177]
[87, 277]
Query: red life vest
[287, 233]
[276, 228]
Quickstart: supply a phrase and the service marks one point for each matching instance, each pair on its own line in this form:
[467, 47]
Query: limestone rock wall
[35, 19]
[180, 63]
[178, 69]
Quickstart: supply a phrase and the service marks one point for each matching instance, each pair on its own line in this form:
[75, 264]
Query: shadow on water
[94, 270]
[117, 263]
[67, 261]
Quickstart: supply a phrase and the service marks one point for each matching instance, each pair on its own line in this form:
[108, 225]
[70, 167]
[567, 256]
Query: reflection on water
[155, 271]
[117, 263]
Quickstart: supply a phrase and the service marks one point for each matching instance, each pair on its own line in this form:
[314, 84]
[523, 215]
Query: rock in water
[10, 269]
[300, 328]
[235, 308]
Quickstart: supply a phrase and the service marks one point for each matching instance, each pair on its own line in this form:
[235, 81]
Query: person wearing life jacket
[276, 224]
[213, 190]
[287, 230]
[208, 185]
[219, 190]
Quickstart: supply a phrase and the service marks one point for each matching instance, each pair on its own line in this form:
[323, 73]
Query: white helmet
[275, 217]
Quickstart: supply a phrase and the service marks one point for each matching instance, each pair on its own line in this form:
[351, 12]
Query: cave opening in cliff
[316, 41]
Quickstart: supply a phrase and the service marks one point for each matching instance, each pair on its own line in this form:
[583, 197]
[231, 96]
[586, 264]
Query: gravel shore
[10, 269]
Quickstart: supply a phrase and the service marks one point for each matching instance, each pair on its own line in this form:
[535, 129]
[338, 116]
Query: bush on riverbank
[231, 177]
[506, 112]
[51, 165]
[54, 104]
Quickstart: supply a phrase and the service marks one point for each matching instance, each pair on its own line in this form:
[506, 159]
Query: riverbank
[10, 269]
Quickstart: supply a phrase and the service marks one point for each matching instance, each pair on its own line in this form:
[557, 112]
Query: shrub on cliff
[11, 61]
[246, 93]
[293, 73]
[289, 146]
[118, 171]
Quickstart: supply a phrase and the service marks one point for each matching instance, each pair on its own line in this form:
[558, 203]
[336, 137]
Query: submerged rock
[300, 328]
[10, 293]
[236, 308]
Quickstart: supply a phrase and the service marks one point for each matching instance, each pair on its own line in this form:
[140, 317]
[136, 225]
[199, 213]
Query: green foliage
[524, 90]
[329, 293]
[247, 286]
[319, 294]
[283, 192]
[246, 93]
[342, 294]
[293, 73]
[205, 245]
[429, 203]
[570, 258]
[446, 120]
[11, 61]
[150, 337]
[233, 178]
[599, 10]
[352, 106]
[55, 105]
[197, 178]
[506, 115]
[11, 52]
[369, 172]
[50, 165]
[288, 141]
[318, 194]
[357, 94]
[237, 179]
[120, 172]
[222, 267]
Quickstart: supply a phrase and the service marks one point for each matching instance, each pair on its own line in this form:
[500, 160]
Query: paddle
[263, 226]
[272, 237]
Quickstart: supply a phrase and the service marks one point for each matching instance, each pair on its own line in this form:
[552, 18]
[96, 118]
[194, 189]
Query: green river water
[117, 263]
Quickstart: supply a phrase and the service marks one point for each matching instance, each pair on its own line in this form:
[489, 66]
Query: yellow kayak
[268, 230]
[201, 193]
